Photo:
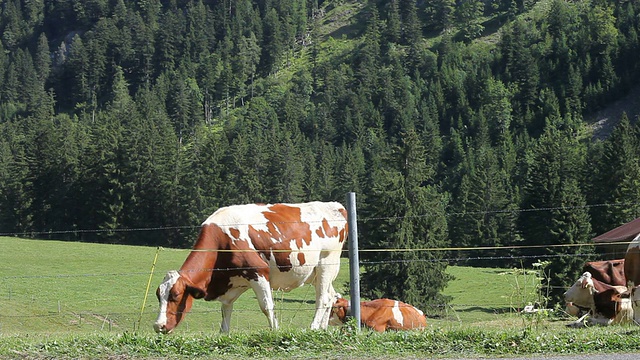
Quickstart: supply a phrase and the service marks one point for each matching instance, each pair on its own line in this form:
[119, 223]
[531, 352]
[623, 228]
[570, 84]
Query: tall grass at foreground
[333, 344]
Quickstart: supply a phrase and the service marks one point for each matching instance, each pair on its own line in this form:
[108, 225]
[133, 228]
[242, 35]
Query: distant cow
[608, 271]
[380, 314]
[262, 247]
[604, 304]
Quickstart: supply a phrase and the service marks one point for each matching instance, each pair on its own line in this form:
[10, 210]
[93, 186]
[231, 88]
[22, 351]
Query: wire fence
[125, 300]
[36, 233]
[72, 303]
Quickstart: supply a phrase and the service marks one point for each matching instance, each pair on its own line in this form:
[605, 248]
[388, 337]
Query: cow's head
[339, 311]
[175, 294]
[581, 293]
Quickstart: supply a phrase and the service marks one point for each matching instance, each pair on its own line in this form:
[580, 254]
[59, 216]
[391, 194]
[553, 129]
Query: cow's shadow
[291, 301]
[488, 310]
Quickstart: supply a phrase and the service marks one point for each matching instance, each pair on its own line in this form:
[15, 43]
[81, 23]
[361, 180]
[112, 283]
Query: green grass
[60, 287]
[74, 300]
[71, 287]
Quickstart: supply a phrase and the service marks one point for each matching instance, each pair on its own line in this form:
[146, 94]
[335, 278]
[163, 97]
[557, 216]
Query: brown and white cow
[262, 247]
[607, 271]
[604, 304]
[380, 314]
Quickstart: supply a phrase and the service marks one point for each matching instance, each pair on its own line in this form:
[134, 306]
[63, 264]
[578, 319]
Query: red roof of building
[626, 232]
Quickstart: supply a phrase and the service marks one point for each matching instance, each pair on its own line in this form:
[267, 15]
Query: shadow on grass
[488, 310]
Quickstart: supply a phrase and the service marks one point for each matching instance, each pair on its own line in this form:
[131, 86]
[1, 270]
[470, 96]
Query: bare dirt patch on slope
[603, 121]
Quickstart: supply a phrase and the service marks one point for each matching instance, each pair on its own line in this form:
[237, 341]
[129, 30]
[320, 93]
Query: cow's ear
[193, 290]
[196, 292]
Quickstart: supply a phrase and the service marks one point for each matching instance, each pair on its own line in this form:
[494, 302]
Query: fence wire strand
[360, 220]
[306, 304]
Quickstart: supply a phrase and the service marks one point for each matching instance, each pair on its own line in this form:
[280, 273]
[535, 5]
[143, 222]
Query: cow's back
[293, 239]
[607, 271]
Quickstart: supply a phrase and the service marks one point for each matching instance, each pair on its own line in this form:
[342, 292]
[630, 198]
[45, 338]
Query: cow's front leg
[225, 325]
[262, 288]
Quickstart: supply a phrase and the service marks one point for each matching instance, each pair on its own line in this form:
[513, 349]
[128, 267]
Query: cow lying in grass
[604, 304]
[380, 315]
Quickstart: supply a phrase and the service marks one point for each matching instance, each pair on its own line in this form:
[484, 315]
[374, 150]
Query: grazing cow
[380, 314]
[604, 304]
[262, 247]
[608, 271]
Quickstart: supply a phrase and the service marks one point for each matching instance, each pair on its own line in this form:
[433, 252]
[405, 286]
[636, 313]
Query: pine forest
[458, 123]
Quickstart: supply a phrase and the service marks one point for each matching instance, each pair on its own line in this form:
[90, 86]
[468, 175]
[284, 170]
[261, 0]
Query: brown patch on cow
[280, 250]
[330, 231]
[235, 232]
[345, 231]
[607, 271]
[301, 258]
[200, 265]
[285, 223]
[608, 302]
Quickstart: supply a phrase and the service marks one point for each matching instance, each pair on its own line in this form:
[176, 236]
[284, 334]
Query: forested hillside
[456, 122]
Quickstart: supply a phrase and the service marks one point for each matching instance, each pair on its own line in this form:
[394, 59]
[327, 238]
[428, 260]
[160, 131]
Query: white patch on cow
[635, 243]
[625, 314]
[165, 287]
[397, 314]
[237, 286]
[239, 217]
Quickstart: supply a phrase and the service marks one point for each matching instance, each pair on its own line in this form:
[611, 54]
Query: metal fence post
[354, 262]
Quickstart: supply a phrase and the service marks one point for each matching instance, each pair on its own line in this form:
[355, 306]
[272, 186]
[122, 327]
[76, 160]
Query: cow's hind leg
[262, 288]
[326, 273]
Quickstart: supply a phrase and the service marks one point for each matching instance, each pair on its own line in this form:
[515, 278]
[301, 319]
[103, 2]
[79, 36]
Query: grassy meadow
[71, 287]
[77, 300]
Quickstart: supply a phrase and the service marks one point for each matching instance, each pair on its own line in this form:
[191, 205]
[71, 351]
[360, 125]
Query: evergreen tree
[521, 72]
[369, 55]
[555, 208]
[272, 43]
[468, 15]
[393, 30]
[407, 216]
[42, 59]
[616, 178]
[15, 199]
[440, 14]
